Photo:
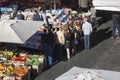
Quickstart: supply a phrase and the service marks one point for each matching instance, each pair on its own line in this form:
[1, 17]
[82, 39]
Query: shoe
[68, 59]
[112, 37]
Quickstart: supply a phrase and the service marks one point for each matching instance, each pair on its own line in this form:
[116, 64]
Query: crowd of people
[62, 40]
[62, 31]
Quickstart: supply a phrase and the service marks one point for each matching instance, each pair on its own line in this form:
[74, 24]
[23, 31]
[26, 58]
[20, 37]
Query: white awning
[74, 72]
[110, 5]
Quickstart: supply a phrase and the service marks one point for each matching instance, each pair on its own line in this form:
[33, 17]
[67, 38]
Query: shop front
[4, 2]
[53, 4]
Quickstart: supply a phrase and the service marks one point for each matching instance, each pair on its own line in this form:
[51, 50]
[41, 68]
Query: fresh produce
[10, 53]
[32, 62]
[7, 72]
[7, 54]
[28, 62]
[36, 63]
[14, 58]
[34, 57]
[20, 70]
[19, 58]
[14, 63]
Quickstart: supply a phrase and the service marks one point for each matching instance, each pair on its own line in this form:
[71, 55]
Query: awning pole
[54, 4]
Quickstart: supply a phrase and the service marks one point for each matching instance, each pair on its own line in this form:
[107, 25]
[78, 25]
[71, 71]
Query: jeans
[115, 26]
[50, 60]
[87, 41]
[48, 52]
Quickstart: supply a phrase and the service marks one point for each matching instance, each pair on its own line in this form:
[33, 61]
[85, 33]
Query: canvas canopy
[110, 5]
[102, 74]
[12, 31]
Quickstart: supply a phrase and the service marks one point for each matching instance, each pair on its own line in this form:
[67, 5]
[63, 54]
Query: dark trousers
[115, 26]
[59, 52]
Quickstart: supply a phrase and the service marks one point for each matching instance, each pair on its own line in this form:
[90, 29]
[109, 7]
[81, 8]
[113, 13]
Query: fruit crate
[38, 69]
[16, 63]
[43, 60]
[23, 77]
[8, 78]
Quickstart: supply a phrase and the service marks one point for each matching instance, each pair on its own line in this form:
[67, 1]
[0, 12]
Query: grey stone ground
[104, 54]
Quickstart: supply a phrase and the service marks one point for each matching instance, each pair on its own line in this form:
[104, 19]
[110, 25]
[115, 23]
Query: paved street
[104, 54]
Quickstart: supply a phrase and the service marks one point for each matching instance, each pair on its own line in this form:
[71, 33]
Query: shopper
[47, 48]
[67, 42]
[36, 16]
[116, 24]
[60, 43]
[87, 29]
[20, 16]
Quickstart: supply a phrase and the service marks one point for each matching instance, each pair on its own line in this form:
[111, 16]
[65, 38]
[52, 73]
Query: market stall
[20, 65]
[19, 31]
[16, 64]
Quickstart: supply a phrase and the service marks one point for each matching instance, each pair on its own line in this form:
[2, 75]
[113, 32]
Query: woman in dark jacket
[47, 48]
[67, 42]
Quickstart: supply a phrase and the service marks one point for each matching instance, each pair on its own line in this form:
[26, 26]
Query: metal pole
[54, 4]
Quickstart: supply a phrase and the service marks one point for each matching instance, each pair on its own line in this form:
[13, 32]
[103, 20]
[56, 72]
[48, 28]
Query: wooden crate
[23, 77]
[8, 78]
[37, 69]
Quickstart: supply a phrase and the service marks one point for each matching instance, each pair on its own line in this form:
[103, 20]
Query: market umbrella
[20, 31]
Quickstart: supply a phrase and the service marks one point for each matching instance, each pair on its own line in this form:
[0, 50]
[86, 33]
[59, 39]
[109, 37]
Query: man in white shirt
[87, 29]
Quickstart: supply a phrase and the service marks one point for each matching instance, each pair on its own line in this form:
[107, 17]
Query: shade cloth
[110, 5]
[105, 74]
[12, 31]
